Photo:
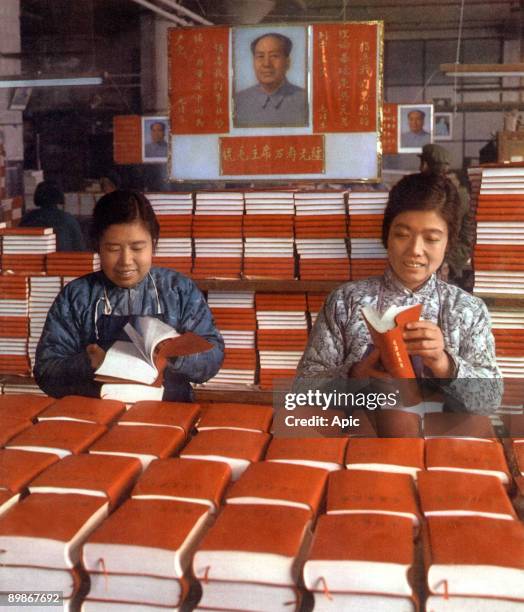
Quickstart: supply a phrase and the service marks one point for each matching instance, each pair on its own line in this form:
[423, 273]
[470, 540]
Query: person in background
[47, 198]
[109, 182]
[452, 343]
[90, 313]
[435, 160]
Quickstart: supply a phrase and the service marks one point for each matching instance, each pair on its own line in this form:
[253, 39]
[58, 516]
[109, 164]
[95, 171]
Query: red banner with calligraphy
[345, 77]
[199, 80]
[272, 155]
[390, 128]
[127, 139]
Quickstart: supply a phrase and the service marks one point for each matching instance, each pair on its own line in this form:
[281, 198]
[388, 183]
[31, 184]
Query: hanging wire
[457, 55]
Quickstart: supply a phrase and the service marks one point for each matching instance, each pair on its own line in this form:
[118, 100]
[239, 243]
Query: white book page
[124, 360]
[150, 332]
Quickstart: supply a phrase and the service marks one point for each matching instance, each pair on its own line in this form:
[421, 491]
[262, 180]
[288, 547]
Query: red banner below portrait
[127, 139]
[199, 80]
[345, 77]
[390, 129]
[272, 155]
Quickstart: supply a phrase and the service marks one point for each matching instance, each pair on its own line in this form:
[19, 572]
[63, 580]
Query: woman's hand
[368, 367]
[425, 339]
[96, 355]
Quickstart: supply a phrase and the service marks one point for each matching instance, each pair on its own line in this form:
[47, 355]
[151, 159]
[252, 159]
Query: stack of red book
[366, 213]
[174, 212]
[315, 301]
[42, 292]
[14, 313]
[234, 314]
[217, 231]
[71, 263]
[24, 249]
[268, 232]
[281, 336]
[508, 329]
[320, 235]
[499, 251]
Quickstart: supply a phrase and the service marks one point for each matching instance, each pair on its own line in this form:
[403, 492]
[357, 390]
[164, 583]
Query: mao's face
[270, 63]
[157, 132]
[416, 121]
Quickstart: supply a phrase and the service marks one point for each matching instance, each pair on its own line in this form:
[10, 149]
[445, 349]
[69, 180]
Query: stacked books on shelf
[217, 232]
[72, 263]
[366, 213]
[508, 330]
[499, 251]
[14, 314]
[320, 235]
[315, 301]
[281, 336]
[234, 314]
[24, 249]
[174, 212]
[42, 292]
[269, 245]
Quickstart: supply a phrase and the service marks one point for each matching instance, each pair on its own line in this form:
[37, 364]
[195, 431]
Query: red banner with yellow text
[272, 155]
[390, 128]
[345, 77]
[198, 80]
[127, 139]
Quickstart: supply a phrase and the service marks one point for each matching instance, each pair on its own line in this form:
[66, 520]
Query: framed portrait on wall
[270, 76]
[443, 126]
[415, 127]
[155, 134]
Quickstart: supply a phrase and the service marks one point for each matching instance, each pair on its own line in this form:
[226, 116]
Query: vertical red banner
[127, 139]
[390, 128]
[198, 80]
[345, 77]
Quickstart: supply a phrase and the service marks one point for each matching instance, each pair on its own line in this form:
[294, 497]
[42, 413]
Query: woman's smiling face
[417, 241]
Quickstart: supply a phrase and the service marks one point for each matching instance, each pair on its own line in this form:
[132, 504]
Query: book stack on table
[366, 213]
[268, 235]
[24, 249]
[217, 232]
[320, 235]
[508, 330]
[234, 314]
[72, 263]
[42, 293]
[281, 336]
[14, 324]
[499, 250]
[174, 212]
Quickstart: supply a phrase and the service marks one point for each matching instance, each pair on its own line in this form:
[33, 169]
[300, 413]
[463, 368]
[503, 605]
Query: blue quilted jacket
[62, 365]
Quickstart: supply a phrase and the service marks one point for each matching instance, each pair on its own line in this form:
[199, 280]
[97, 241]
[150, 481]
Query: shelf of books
[219, 506]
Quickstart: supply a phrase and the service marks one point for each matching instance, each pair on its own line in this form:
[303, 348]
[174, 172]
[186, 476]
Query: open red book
[386, 332]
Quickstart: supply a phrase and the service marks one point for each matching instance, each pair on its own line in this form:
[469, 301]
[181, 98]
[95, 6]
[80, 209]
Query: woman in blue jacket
[90, 312]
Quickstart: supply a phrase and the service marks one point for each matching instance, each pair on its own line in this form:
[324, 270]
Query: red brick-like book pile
[321, 235]
[269, 246]
[498, 258]
[234, 314]
[281, 336]
[14, 313]
[24, 249]
[366, 212]
[174, 212]
[217, 232]
[72, 263]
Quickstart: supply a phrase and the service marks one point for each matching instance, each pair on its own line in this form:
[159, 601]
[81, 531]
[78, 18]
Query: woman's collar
[393, 283]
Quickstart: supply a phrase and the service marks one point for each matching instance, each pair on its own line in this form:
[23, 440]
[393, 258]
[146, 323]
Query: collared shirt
[414, 139]
[287, 106]
[156, 149]
[340, 338]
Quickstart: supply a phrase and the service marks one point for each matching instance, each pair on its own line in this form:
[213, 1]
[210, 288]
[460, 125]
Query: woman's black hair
[123, 206]
[424, 192]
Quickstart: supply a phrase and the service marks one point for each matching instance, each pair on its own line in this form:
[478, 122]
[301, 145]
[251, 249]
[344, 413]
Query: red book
[326, 453]
[59, 437]
[191, 480]
[7, 500]
[10, 427]
[24, 405]
[18, 468]
[97, 475]
[398, 455]
[166, 414]
[145, 442]
[244, 417]
[83, 409]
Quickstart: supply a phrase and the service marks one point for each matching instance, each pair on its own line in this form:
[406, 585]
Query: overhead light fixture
[483, 70]
[49, 81]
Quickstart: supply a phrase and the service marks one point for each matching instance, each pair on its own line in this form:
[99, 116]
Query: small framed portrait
[443, 126]
[415, 127]
[155, 134]
[270, 76]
